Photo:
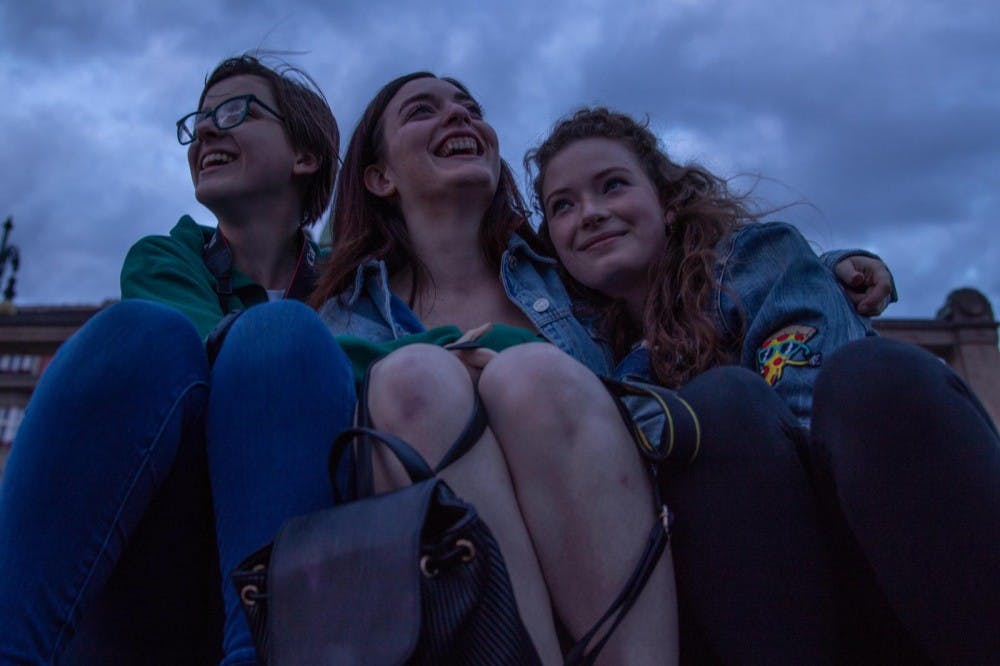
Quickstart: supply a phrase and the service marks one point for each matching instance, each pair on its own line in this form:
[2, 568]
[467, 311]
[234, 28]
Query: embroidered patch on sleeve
[784, 348]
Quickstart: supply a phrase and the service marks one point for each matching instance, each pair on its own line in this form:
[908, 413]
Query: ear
[378, 182]
[670, 217]
[306, 164]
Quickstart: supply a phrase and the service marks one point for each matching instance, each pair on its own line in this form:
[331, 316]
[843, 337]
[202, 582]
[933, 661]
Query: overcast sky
[883, 116]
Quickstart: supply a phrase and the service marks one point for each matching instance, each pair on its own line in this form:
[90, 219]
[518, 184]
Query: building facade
[963, 334]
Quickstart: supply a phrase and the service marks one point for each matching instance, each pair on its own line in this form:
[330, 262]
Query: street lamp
[9, 254]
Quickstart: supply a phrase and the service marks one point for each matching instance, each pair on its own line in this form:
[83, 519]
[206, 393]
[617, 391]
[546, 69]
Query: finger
[479, 331]
[471, 335]
[475, 358]
[882, 278]
[875, 300]
[848, 273]
[857, 297]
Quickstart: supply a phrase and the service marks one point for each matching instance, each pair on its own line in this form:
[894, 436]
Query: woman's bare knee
[422, 394]
[537, 376]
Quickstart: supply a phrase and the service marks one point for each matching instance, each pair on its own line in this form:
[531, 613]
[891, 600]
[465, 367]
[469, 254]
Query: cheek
[397, 152]
[191, 155]
[489, 134]
[560, 237]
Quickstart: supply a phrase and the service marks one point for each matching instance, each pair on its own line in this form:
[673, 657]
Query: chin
[469, 182]
[212, 196]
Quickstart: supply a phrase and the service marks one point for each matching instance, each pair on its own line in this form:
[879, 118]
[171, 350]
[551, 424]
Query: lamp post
[8, 254]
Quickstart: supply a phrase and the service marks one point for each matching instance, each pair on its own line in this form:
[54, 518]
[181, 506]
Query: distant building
[963, 334]
[29, 336]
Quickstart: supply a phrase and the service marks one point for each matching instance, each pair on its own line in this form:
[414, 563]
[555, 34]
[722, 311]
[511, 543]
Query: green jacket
[192, 271]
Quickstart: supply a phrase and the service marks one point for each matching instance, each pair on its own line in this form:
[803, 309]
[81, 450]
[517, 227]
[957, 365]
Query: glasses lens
[231, 113]
[185, 128]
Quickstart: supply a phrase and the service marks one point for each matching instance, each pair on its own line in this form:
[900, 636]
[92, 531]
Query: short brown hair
[308, 122]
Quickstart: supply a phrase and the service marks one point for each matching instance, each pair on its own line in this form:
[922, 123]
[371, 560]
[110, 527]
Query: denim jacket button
[541, 305]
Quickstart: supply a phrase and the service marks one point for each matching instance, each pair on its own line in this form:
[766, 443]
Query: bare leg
[423, 394]
[584, 495]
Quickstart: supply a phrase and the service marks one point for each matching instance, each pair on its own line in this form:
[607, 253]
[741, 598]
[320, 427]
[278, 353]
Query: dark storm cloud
[881, 115]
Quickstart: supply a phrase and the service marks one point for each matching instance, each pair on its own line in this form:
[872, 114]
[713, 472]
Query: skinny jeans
[293, 398]
[870, 539]
[106, 513]
[105, 517]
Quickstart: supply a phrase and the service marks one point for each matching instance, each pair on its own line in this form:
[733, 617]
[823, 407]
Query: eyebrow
[428, 97]
[206, 109]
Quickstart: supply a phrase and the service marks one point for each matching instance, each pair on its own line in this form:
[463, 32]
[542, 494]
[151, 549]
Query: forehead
[241, 84]
[425, 88]
[584, 159]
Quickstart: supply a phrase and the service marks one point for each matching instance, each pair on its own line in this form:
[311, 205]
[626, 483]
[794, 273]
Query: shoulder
[757, 236]
[762, 247]
[185, 243]
[157, 263]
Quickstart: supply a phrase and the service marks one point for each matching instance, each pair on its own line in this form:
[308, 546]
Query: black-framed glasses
[226, 115]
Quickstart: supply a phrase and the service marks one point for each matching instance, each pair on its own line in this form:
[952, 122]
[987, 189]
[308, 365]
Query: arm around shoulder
[793, 311]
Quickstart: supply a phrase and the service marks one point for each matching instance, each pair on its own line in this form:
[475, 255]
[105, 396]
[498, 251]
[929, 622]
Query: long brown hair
[677, 322]
[365, 226]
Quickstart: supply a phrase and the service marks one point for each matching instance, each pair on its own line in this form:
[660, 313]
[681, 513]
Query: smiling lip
[215, 158]
[600, 238]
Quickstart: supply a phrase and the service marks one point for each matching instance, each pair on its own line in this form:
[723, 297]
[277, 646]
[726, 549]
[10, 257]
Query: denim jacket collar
[531, 282]
[519, 247]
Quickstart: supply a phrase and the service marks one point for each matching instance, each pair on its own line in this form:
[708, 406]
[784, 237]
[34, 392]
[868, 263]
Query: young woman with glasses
[106, 518]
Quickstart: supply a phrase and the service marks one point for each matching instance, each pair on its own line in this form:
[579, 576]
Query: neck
[446, 238]
[635, 302]
[266, 253]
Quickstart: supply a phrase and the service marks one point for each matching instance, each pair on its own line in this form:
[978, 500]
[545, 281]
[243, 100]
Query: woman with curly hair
[683, 278]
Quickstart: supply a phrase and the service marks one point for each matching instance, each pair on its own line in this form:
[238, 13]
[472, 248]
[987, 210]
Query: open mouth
[459, 145]
[215, 158]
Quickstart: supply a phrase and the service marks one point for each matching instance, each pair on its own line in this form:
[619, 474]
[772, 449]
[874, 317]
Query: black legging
[911, 459]
[875, 539]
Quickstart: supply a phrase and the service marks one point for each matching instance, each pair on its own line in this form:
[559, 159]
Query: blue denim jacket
[772, 279]
[370, 310]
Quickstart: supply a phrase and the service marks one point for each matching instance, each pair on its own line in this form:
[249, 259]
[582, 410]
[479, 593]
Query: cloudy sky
[882, 116]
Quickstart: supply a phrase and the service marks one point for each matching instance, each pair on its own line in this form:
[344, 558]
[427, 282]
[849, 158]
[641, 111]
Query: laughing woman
[427, 215]
[904, 461]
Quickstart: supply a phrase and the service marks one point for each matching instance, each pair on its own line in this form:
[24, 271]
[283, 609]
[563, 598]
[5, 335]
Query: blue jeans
[105, 516]
[273, 413]
[97, 445]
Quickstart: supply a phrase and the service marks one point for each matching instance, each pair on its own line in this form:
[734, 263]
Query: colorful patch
[784, 348]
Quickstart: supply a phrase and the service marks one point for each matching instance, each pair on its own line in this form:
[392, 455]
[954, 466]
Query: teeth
[214, 159]
[460, 144]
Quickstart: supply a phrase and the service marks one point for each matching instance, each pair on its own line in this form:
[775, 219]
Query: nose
[457, 113]
[592, 212]
[205, 127]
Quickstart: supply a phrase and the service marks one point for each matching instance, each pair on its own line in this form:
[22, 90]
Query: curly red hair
[677, 322]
